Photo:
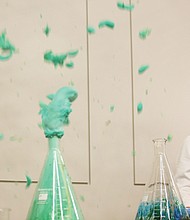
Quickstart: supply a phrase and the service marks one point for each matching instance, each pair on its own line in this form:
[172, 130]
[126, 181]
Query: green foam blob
[169, 138]
[70, 64]
[139, 107]
[106, 23]
[56, 114]
[6, 47]
[91, 30]
[143, 68]
[72, 53]
[60, 59]
[112, 107]
[28, 181]
[82, 198]
[128, 7]
[55, 59]
[1, 136]
[47, 30]
[144, 33]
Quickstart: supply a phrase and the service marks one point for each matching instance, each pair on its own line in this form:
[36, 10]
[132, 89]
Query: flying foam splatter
[55, 59]
[139, 107]
[106, 23]
[72, 53]
[56, 114]
[91, 30]
[169, 138]
[47, 30]
[142, 69]
[144, 33]
[70, 64]
[59, 59]
[6, 47]
[82, 198]
[28, 181]
[1, 136]
[112, 107]
[128, 7]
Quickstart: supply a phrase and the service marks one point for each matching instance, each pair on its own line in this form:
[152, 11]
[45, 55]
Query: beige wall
[108, 153]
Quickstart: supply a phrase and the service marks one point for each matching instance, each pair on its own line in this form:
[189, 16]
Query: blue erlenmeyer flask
[161, 200]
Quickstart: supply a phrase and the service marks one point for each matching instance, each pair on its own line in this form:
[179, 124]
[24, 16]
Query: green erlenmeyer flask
[161, 200]
[54, 198]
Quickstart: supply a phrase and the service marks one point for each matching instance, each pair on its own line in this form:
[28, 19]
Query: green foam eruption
[56, 114]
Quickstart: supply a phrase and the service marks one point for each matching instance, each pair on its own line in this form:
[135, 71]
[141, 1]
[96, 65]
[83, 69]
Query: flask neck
[159, 146]
[53, 143]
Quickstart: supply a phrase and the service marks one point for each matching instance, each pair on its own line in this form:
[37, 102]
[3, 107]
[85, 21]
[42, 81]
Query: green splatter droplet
[106, 23]
[28, 181]
[70, 64]
[133, 153]
[6, 47]
[143, 68]
[1, 136]
[144, 33]
[139, 107]
[169, 138]
[55, 59]
[72, 53]
[82, 198]
[47, 30]
[128, 7]
[91, 30]
[112, 107]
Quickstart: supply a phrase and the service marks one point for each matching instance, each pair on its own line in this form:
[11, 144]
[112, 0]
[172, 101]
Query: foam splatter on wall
[106, 23]
[7, 49]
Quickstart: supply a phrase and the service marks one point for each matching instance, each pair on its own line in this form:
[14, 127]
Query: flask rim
[164, 140]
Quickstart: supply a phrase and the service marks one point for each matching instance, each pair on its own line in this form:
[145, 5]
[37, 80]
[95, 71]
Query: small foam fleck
[128, 7]
[143, 68]
[82, 198]
[169, 138]
[133, 153]
[91, 30]
[70, 64]
[6, 47]
[1, 136]
[112, 107]
[139, 107]
[106, 23]
[143, 34]
[47, 30]
[28, 181]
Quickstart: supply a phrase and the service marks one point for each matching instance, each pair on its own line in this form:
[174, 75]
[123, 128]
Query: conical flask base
[161, 200]
[54, 198]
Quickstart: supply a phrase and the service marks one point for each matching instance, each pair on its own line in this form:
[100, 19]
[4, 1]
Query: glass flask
[161, 199]
[54, 198]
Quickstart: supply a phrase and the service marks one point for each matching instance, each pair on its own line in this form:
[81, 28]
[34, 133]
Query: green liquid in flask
[54, 198]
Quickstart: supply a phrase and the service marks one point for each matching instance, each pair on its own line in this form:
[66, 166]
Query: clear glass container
[54, 198]
[161, 199]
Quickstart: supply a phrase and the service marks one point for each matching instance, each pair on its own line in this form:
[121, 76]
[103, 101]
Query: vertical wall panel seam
[88, 94]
